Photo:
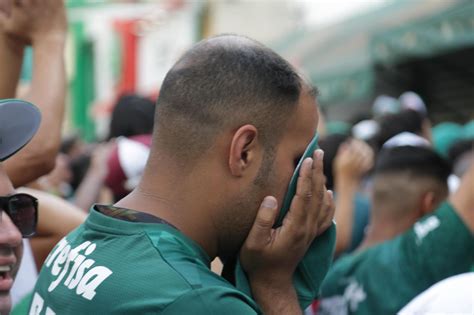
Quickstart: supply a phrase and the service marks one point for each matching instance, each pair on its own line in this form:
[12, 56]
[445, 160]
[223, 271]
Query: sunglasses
[22, 210]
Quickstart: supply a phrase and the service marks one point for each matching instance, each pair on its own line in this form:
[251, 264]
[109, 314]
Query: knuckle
[298, 235]
[263, 223]
[307, 196]
[251, 247]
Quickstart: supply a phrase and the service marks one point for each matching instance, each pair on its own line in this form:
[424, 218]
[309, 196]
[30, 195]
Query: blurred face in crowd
[10, 247]
[273, 174]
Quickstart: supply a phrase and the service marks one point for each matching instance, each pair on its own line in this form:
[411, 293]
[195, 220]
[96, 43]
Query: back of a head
[222, 83]
[460, 155]
[403, 174]
[405, 121]
[132, 115]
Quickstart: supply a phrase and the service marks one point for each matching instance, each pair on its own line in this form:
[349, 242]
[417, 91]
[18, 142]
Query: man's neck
[184, 212]
[381, 230]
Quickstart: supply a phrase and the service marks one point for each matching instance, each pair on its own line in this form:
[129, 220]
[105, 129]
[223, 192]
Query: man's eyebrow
[313, 91]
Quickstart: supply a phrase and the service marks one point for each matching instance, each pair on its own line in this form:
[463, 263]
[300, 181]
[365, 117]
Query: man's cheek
[283, 188]
[18, 255]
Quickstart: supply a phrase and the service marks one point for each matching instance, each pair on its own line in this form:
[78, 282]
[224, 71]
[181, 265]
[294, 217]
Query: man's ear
[428, 203]
[243, 149]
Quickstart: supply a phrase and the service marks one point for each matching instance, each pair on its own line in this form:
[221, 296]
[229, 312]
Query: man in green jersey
[232, 120]
[414, 238]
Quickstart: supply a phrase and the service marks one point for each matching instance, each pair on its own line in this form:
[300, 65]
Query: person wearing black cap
[41, 24]
[18, 211]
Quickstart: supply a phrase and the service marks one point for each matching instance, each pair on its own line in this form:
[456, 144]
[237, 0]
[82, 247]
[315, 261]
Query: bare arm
[352, 161]
[463, 199]
[56, 219]
[11, 57]
[44, 25]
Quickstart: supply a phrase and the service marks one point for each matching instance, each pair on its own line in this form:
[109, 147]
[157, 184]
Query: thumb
[261, 231]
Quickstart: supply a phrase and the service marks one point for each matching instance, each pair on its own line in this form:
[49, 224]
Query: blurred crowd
[403, 189]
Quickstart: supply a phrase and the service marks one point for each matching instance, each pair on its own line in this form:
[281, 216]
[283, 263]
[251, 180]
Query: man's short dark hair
[225, 81]
[390, 125]
[418, 161]
[132, 116]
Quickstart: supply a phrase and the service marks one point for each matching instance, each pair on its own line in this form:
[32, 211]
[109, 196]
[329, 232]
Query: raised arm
[353, 160]
[11, 53]
[43, 24]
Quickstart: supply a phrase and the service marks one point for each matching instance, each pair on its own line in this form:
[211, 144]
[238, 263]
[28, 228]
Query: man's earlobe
[429, 203]
[242, 149]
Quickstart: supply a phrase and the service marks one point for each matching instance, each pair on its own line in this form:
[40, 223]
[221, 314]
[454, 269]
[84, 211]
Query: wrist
[347, 183]
[276, 299]
[263, 289]
[51, 39]
[13, 44]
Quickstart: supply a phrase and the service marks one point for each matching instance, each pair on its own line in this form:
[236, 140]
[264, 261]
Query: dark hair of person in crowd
[132, 115]
[460, 155]
[68, 143]
[391, 125]
[330, 145]
[214, 86]
[79, 166]
[459, 148]
[402, 174]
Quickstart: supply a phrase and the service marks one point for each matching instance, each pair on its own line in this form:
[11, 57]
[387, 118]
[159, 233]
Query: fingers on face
[328, 209]
[303, 195]
[312, 207]
[318, 178]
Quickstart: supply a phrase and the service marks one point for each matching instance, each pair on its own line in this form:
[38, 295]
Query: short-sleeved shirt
[115, 266]
[384, 278]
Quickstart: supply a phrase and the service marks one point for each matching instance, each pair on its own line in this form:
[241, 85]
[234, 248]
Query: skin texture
[11, 248]
[43, 25]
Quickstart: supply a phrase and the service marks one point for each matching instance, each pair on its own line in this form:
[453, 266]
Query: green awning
[448, 30]
[340, 59]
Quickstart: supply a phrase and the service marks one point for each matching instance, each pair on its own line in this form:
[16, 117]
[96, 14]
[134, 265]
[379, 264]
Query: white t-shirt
[454, 295]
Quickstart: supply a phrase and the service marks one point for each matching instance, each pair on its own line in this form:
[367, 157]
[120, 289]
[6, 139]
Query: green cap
[468, 130]
[445, 135]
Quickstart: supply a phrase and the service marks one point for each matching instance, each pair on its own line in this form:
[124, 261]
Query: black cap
[19, 121]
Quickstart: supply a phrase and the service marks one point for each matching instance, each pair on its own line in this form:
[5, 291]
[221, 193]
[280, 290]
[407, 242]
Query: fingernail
[319, 154]
[269, 202]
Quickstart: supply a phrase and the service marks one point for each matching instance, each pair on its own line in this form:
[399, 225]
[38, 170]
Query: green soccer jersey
[114, 266]
[384, 278]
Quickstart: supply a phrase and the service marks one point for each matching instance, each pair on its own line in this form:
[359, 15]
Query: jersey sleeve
[213, 300]
[436, 247]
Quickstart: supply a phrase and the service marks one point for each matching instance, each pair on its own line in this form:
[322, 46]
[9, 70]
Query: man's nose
[10, 236]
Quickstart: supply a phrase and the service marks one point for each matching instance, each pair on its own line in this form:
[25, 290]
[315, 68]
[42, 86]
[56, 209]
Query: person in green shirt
[414, 240]
[232, 121]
